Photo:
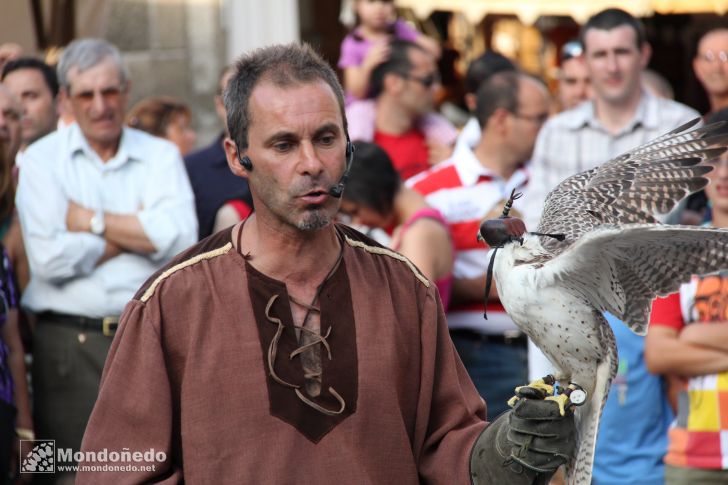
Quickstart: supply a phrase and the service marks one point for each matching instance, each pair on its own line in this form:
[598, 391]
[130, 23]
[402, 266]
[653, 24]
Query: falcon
[599, 248]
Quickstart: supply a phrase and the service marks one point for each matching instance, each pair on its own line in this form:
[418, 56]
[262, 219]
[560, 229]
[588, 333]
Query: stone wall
[172, 47]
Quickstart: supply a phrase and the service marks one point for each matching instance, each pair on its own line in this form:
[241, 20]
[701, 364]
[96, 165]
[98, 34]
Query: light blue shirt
[146, 177]
[632, 437]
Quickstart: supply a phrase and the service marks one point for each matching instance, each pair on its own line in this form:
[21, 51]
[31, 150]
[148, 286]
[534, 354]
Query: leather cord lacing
[317, 339]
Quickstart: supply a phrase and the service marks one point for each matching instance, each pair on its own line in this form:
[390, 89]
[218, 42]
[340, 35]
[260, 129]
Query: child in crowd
[375, 197]
[367, 45]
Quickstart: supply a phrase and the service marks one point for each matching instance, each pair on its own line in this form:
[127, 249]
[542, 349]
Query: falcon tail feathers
[579, 469]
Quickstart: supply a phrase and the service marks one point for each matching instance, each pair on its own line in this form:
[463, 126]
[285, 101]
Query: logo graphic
[44, 457]
[41, 459]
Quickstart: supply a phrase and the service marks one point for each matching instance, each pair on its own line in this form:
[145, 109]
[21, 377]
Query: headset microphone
[337, 190]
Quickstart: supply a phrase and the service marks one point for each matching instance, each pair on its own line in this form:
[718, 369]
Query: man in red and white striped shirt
[469, 187]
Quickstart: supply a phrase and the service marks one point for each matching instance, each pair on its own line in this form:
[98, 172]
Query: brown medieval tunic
[189, 373]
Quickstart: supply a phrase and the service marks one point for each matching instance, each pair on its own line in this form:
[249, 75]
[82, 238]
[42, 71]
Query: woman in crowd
[165, 117]
[15, 414]
[375, 197]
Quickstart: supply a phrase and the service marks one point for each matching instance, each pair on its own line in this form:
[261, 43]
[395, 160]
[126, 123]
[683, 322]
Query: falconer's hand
[524, 445]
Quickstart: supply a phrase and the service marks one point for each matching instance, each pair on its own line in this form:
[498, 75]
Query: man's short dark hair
[500, 91]
[49, 74]
[373, 180]
[611, 18]
[398, 62]
[283, 65]
[482, 68]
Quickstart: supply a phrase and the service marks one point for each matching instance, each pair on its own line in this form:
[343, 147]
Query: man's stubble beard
[317, 219]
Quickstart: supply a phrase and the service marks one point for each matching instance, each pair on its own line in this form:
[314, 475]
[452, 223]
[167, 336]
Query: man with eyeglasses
[400, 117]
[469, 187]
[711, 67]
[102, 207]
[621, 116]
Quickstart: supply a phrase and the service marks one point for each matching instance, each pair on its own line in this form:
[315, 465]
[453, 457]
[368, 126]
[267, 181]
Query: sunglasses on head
[571, 49]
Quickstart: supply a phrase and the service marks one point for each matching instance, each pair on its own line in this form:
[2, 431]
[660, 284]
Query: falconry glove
[525, 445]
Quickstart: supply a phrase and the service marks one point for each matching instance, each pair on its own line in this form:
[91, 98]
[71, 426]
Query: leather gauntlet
[525, 445]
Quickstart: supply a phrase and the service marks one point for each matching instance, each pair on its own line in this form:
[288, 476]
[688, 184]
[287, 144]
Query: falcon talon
[562, 400]
[549, 379]
[540, 385]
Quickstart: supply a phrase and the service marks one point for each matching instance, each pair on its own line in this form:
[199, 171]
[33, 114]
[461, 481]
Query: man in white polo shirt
[469, 187]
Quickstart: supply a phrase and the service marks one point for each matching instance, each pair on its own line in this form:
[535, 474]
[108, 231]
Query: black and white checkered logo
[41, 458]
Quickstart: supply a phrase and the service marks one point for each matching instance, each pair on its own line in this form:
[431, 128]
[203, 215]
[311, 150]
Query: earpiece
[245, 161]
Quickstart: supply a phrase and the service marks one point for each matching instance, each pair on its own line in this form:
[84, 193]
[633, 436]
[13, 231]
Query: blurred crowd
[96, 196]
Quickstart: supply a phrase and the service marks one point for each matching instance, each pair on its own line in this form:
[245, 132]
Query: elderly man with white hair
[102, 207]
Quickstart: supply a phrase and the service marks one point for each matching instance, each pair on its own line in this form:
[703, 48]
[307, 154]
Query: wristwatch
[97, 224]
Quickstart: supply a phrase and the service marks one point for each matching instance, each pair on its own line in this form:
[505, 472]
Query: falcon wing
[633, 187]
[622, 269]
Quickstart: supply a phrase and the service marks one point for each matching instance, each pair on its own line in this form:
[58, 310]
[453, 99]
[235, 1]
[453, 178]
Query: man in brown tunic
[290, 349]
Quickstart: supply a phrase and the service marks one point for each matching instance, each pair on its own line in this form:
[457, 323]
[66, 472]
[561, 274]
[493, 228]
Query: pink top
[354, 47]
[444, 285]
